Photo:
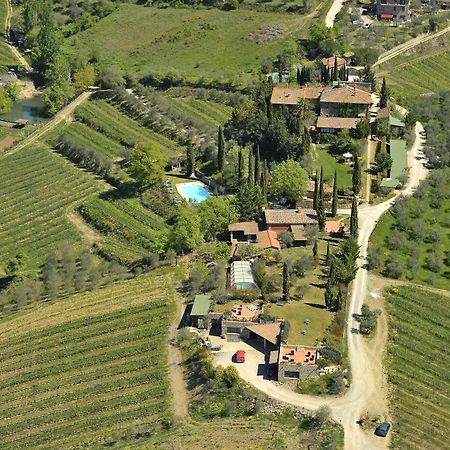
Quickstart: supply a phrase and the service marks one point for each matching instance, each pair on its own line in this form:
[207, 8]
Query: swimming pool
[194, 192]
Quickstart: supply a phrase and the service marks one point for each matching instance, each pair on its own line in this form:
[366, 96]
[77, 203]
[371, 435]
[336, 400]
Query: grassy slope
[87, 367]
[331, 164]
[422, 70]
[196, 42]
[6, 56]
[41, 187]
[418, 362]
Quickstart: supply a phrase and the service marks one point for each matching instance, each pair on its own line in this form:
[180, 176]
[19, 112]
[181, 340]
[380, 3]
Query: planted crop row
[88, 373]
[418, 367]
[41, 187]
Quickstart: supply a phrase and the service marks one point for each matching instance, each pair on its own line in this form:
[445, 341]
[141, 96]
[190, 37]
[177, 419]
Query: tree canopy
[289, 179]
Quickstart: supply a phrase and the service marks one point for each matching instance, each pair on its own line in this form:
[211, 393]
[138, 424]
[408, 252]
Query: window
[292, 374]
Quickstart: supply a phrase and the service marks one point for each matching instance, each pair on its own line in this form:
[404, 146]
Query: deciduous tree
[289, 179]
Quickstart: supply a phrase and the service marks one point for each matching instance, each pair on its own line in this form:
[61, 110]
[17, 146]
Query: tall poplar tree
[321, 217]
[251, 169]
[354, 218]
[240, 168]
[190, 159]
[316, 192]
[220, 150]
[257, 166]
[334, 203]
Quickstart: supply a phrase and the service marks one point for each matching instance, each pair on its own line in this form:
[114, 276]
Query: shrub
[286, 238]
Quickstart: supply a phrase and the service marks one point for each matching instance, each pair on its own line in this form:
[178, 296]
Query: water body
[32, 109]
[194, 192]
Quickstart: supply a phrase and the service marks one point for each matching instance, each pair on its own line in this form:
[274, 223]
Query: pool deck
[199, 183]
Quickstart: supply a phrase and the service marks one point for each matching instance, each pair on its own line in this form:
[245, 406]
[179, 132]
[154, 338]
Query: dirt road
[333, 12]
[57, 118]
[13, 49]
[367, 384]
[408, 46]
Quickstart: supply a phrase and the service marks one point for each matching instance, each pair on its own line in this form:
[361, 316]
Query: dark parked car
[383, 429]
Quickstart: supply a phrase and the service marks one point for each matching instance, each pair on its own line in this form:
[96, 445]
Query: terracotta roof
[329, 62]
[269, 331]
[291, 96]
[336, 122]
[267, 239]
[346, 94]
[244, 312]
[298, 355]
[290, 216]
[245, 227]
[386, 16]
[298, 232]
[333, 226]
[383, 113]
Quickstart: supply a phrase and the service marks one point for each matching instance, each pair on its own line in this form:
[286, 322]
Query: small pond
[32, 109]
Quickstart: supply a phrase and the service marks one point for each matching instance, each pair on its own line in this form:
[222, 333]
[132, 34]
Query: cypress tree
[257, 166]
[220, 150]
[315, 251]
[190, 159]
[286, 283]
[299, 77]
[265, 179]
[251, 171]
[356, 177]
[354, 218]
[384, 94]
[335, 69]
[240, 170]
[328, 257]
[320, 206]
[334, 203]
[316, 192]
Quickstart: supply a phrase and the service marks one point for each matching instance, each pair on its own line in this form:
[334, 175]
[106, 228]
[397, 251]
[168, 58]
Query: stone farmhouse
[393, 10]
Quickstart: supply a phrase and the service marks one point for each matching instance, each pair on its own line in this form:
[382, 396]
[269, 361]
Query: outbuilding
[200, 311]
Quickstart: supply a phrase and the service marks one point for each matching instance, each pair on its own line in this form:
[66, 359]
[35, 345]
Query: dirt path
[13, 49]
[396, 51]
[63, 114]
[89, 235]
[180, 396]
[333, 12]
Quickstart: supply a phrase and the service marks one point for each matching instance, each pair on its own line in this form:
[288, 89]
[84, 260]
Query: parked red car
[240, 356]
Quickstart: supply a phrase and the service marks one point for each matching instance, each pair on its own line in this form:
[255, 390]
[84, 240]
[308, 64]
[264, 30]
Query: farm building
[393, 9]
[241, 275]
[332, 125]
[297, 363]
[345, 101]
[291, 96]
[330, 62]
[334, 227]
[243, 231]
[282, 219]
[200, 311]
[268, 334]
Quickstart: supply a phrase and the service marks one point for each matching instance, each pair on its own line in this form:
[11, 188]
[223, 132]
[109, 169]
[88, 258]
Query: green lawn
[311, 307]
[417, 368]
[331, 164]
[6, 56]
[196, 42]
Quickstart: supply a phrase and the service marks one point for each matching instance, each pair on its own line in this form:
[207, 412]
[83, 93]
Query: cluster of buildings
[243, 323]
[339, 107]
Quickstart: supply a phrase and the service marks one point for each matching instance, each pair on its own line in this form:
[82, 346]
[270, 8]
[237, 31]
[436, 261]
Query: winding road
[366, 377]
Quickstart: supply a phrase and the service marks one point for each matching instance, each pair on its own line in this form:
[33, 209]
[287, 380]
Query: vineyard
[418, 361]
[6, 56]
[423, 70]
[77, 372]
[131, 230]
[41, 187]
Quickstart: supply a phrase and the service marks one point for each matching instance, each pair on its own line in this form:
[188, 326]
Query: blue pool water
[193, 192]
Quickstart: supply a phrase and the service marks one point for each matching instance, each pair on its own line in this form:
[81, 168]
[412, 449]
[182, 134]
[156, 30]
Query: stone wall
[304, 371]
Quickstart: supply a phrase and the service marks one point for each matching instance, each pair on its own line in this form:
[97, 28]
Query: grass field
[311, 307]
[86, 368]
[195, 42]
[418, 361]
[41, 187]
[420, 71]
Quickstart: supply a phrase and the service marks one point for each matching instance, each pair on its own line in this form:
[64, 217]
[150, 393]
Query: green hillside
[79, 371]
[418, 361]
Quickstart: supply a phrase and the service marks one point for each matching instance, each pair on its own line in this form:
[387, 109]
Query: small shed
[200, 311]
